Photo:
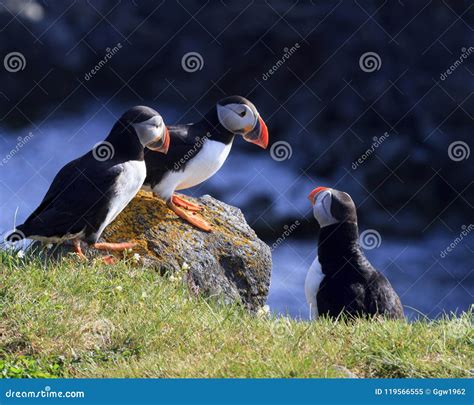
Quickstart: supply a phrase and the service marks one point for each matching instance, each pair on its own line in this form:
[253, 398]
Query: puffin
[341, 280]
[198, 150]
[89, 192]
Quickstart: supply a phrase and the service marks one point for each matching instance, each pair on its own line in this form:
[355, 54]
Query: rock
[231, 262]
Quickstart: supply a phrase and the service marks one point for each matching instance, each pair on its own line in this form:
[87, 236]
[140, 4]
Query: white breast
[311, 287]
[198, 169]
[127, 186]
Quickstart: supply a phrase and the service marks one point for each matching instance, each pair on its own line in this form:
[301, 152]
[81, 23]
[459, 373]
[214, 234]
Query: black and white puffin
[341, 279]
[89, 192]
[197, 151]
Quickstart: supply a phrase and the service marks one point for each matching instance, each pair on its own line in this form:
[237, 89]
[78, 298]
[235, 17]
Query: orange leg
[109, 259]
[191, 218]
[181, 202]
[115, 247]
[77, 249]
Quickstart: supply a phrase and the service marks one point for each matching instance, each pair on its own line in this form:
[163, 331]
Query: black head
[147, 124]
[239, 116]
[332, 206]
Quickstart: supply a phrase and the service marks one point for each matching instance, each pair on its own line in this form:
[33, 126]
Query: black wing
[383, 298]
[76, 200]
[185, 142]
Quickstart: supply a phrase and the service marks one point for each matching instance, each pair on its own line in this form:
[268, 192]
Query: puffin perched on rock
[198, 151]
[341, 279]
[88, 193]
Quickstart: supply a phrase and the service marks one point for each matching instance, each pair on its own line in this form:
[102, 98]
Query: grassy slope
[88, 320]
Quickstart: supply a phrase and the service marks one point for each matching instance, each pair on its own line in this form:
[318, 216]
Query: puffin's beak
[312, 195]
[259, 135]
[162, 145]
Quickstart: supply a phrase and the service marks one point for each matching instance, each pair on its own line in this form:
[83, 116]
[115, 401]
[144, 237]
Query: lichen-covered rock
[231, 262]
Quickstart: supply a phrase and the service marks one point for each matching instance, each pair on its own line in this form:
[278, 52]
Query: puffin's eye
[242, 114]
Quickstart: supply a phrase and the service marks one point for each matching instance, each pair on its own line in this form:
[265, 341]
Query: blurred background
[370, 97]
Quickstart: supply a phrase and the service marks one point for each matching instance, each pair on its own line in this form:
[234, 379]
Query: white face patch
[237, 118]
[322, 209]
[151, 130]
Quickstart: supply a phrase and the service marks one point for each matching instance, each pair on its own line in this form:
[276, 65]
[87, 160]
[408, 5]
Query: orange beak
[312, 195]
[162, 146]
[262, 138]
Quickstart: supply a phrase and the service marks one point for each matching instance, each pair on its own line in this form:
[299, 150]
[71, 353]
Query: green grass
[74, 319]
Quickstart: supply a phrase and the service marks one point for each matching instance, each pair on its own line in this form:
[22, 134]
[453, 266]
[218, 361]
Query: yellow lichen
[146, 212]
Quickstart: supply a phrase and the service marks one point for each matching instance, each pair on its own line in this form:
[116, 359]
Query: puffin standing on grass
[341, 279]
[199, 150]
[88, 193]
